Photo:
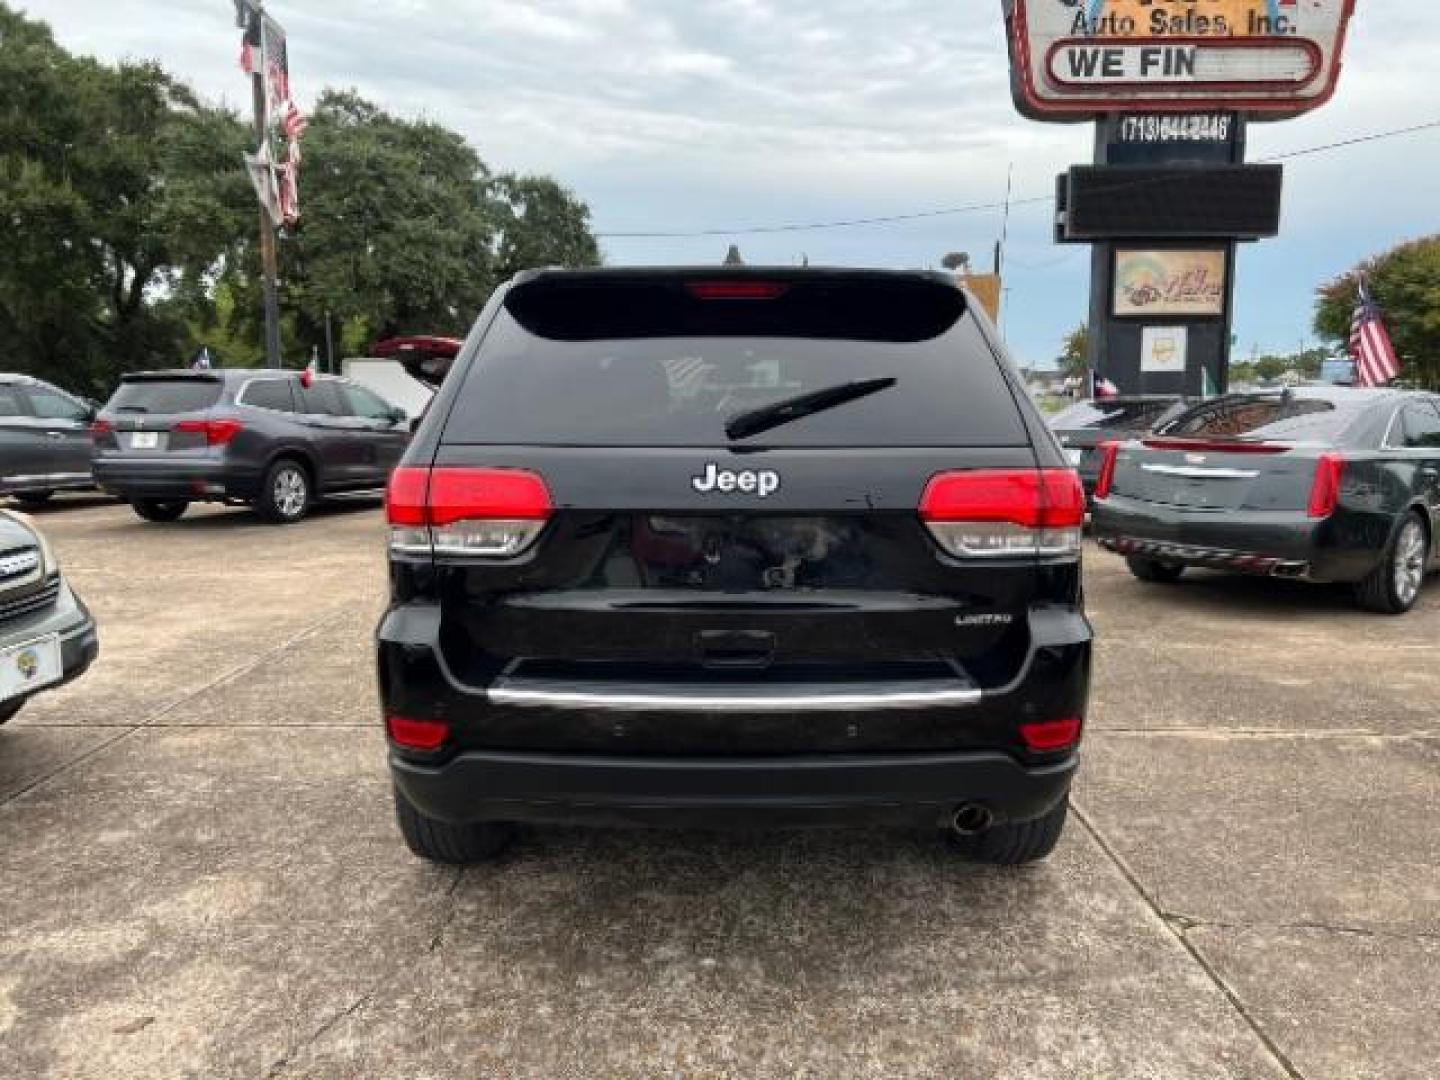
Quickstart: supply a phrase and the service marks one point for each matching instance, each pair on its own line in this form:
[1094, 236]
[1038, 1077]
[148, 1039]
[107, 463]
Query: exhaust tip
[970, 819]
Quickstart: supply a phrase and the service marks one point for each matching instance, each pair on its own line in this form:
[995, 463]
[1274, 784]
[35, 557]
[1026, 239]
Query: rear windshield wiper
[754, 421]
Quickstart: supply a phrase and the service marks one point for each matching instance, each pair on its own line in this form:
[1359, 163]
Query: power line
[971, 208]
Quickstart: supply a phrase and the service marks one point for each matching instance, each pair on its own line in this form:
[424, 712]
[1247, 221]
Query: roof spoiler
[425, 359]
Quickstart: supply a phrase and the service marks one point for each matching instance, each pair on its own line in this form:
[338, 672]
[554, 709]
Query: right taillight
[1109, 455]
[1325, 490]
[477, 513]
[999, 513]
[100, 428]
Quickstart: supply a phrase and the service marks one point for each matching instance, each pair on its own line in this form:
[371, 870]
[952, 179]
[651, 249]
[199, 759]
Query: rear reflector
[1325, 491]
[1052, 734]
[216, 432]
[994, 513]
[1109, 456]
[484, 513]
[1218, 446]
[417, 734]
[737, 290]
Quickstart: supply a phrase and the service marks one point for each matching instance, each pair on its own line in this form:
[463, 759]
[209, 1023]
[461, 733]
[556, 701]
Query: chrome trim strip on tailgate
[1192, 472]
[698, 699]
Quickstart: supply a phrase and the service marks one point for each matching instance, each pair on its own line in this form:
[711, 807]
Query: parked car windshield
[680, 391]
[178, 395]
[1111, 415]
[1263, 418]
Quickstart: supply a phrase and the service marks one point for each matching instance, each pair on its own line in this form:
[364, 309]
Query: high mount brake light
[1004, 513]
[1217, 446]
[1325, 491]
[1109, 458]
[216, 432]
[737, 290]
[479, 513]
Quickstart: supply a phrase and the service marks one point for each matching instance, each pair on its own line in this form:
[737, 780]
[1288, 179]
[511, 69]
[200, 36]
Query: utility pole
[249, 14]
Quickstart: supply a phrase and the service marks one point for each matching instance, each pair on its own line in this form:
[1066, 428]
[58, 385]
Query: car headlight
[49, 564]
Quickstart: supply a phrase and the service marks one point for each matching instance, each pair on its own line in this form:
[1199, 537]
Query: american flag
[1101, 387]
[1375, 361]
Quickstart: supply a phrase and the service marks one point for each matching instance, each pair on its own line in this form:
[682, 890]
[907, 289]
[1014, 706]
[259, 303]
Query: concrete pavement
[199, 875]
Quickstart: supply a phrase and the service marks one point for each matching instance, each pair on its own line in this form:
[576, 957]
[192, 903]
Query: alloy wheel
[1409, 564]
[291, 491]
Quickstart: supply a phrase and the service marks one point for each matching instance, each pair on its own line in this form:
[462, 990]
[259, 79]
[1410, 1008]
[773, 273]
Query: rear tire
[1016, 842]
[9, 709]
[34, 498]
[286, 493]
[453, 845]
[1393, 587]
[1159, 571]
[160, 509]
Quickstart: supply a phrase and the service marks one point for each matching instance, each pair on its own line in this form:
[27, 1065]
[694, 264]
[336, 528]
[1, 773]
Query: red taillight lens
[1052, 735]
[101, 428]
[737, 290]
[216, 432]
[1325, 491]
[487, 513]
[417, 734]
[1000, 512]
[1109, 456]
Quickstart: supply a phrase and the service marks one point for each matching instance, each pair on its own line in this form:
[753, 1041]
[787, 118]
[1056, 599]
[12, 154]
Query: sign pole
[252, 12]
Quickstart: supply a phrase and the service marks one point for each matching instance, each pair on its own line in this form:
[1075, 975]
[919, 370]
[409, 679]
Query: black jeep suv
[761, 546]
[276, 440]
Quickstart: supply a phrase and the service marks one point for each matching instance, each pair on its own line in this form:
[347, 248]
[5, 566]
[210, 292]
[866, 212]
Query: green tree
[115, 183]
[1405, 282]
[1074, 358]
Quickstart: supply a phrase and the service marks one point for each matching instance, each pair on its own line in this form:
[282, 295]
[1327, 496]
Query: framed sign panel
[1170, 283]
[1269, 59]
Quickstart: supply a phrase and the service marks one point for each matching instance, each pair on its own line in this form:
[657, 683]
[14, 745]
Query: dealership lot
[199, 875]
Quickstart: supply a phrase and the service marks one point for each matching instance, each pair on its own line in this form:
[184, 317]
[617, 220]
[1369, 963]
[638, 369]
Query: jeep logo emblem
[762, 482]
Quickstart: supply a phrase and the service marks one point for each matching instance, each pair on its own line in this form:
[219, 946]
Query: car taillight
[216, 432]
[417, 734]
[1109, 456]
[1051, 735]
[1325, 491]
[100, 428]
[483, 513]
[995, 513]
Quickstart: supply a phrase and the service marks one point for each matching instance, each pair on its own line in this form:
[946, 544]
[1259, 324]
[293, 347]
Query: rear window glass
[165, 396]
[1267, 418]
[680, 391]
[1111, 416]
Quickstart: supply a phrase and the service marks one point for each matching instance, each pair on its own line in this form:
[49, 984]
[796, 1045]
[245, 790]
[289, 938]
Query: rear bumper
[756, 752]
[908, 789]
[1276, 543]
[195, 480]
[21, 485]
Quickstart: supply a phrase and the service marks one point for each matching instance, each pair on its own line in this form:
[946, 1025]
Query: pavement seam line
[1271, 1046]
[1187, 923]
[153, 718]
[1220, 734]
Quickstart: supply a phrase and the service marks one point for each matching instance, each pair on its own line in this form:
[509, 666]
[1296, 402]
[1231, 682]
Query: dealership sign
[1074, 59]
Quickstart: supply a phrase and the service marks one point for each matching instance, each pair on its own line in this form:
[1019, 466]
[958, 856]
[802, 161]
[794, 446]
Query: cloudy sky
[725, 115]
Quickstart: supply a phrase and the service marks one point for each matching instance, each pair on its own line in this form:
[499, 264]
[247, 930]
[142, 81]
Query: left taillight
[999, 513]
[216, 432]
[100, 428]
[1325, 489]
[476, 513]
[1105, 481]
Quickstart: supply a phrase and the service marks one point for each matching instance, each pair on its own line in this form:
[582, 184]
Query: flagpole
[252, 12]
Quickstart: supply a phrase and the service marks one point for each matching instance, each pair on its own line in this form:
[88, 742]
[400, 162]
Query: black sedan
[1323, 483]
[1082, 427]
